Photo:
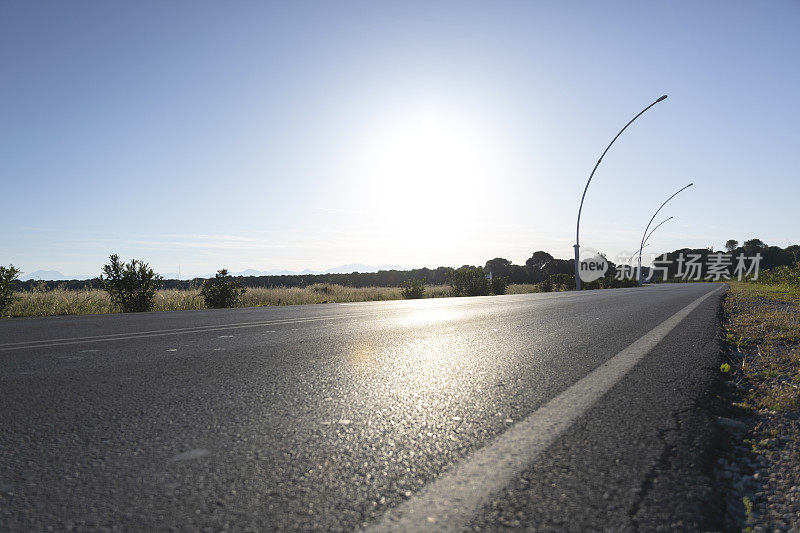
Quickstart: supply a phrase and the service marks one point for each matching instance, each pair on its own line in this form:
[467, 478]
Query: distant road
[550, 411]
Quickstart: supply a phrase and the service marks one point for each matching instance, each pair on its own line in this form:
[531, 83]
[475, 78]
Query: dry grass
[65, 302]
[762, 326]
[41, 302]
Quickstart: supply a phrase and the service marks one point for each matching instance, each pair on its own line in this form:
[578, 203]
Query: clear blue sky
[311, 134]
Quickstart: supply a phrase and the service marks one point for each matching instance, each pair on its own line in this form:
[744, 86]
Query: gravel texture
[760, 471]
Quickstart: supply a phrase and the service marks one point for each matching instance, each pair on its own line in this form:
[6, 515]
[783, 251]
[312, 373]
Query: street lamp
[578, 228]
[654, 229]
[645, 234]
[646, 243]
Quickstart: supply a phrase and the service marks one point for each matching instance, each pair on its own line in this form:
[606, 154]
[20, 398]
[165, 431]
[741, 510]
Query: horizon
[353, 268]
[295, 137]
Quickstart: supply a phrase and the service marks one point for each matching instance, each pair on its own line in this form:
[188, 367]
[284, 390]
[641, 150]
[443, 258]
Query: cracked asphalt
[324, 417]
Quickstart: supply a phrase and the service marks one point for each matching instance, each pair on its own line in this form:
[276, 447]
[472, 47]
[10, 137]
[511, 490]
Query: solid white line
[177, 331]
[449, 502]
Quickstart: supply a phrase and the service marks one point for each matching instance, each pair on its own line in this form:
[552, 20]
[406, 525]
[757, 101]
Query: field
[85, 302]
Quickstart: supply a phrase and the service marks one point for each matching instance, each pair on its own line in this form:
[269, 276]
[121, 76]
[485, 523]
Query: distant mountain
[344, 269]
[358, 267]
[251, 272]
[51, 275]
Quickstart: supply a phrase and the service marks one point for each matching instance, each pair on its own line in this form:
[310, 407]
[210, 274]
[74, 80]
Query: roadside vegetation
[762, 328]
[43, 301]
[413, 289]
[7, 277]
[131, 287]
[135, 287]
[221, 291]
[761, 467]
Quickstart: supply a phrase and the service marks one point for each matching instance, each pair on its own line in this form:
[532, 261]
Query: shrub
[322, 288]
[546, 285]
[563, 282]
[499, 285]
[789, 275]
[413, 289]
[221, 291]
[7, 276]
[469, 281]
[131, 286]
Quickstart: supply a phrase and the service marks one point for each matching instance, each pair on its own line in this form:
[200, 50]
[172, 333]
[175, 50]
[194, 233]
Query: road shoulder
[759, 470]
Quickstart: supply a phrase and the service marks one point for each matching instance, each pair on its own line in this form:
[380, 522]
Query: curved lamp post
[578, 228]
[653, 230]
[646, 243]
[645, 235]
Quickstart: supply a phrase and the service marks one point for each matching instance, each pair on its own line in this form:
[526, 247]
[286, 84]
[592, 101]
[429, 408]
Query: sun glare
[425, 170]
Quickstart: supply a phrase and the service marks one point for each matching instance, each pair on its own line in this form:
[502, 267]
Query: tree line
[540, 267]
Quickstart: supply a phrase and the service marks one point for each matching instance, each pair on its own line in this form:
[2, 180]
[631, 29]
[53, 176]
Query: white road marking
[450, 501]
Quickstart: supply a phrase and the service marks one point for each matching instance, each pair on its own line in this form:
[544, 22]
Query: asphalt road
[565, 411]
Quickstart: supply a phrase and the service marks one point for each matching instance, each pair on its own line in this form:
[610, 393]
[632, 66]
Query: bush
[132, 287]
[788, 275]
[7, 276]
[499, 285]
[563, 282]
[546, 285]
[322, 288]
[221, 291]
[469, 281]
[413, 289]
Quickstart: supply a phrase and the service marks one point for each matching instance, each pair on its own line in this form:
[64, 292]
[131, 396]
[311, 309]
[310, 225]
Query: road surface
[562, 411]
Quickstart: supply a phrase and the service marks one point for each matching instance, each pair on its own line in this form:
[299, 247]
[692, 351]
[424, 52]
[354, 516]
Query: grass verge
[42, 302]
[762, 328]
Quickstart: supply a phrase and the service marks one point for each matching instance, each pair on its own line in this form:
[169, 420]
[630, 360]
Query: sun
[425, 169]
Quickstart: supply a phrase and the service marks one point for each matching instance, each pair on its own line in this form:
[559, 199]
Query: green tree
[7, 276]
[221, 291]
[753, 246]
[413, 289]
[563, 281]
[499, 285]
[539, 266]
[731, 245]
[469, 281]
[131, 286]
[538, 259]
[499, 267]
